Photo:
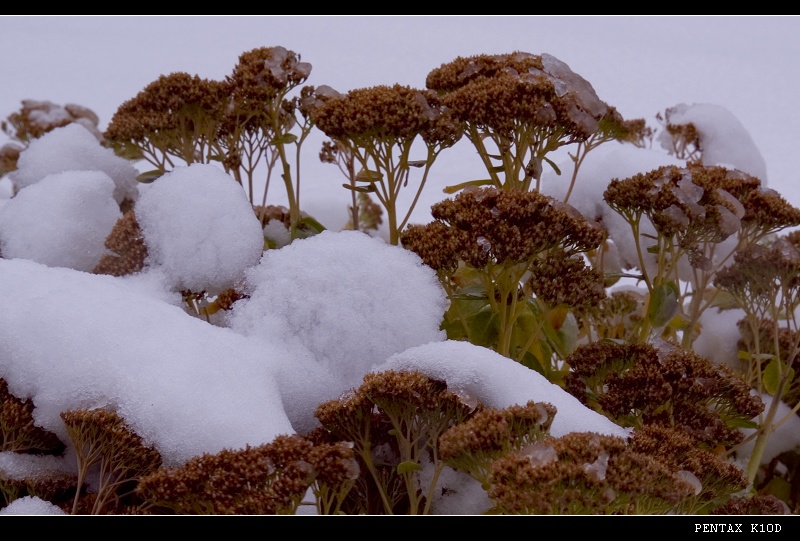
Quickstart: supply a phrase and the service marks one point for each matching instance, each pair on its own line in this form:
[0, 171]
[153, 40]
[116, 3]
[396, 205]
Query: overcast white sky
[640, 64]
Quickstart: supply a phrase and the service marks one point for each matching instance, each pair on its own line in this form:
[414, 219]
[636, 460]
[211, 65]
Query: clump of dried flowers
[637, 385]
[242, 122]
[175, 117]
[511, 264]
[395, 420]
[103, 441]
[585, 473]
[519, 107]
[694, 210]
[377, 128]
[18, 431]
[267, 479]
[36, 118]
[764, 280]
[491, 433]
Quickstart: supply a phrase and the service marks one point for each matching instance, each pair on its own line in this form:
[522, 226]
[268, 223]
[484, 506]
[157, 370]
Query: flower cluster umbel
[495, 252]
[267, 479]
[638, 384]
[394, 421]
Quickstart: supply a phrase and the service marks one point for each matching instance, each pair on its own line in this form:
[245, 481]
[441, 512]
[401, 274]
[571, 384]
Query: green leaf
[553, 165]
[532, 361]
[307, 227]
[747, 356]
[772, 376]
[483, 327]
[310, 224]
[652, 249]
[561, 329]
[780, 488]
[285, 139]
[407, 467]
[128, 151]
[366, 175]
[568, 334]
[149, 176]
[361, 189]
[724, 300]
[472, 292]
[269, 243]
[742, 423]
[663, 305]
[458, 187]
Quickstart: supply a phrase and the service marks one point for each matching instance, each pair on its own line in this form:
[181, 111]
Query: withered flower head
[36, 118]
[700, 203]
[506, 93]
[167, 107]
[561, 279]
[617, 315]
[637, 384]
[18, 431]
[127, 244]
[682, 140]
[9, 156]
[717, 477]
[761, 273]
[584, 473]
[265, 73]
[488, 224]
[388, 113]
[267, 479]
[755, 504]
[403, 395]
[492, 433]
[434, 243]
[102, 436]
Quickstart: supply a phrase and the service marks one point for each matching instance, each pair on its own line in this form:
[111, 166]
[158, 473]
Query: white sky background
[639, 64]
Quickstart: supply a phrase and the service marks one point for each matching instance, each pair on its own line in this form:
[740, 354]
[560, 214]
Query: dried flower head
[52, 486]
[584, 473]
[490, 225]
[385, 113]
[264, 73]
[636, 384]
[701, 204]
[518, 107]
[266, 479]
[763, 277]
[127, 244]
[18, 431]
[101, 437]
[617, 316]
[683, 139]
[492, 433]
[175, 116]
[36, 118]
[753, 504]
[561, 279]
[9, 156]
[718, 478]
[394, 421]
